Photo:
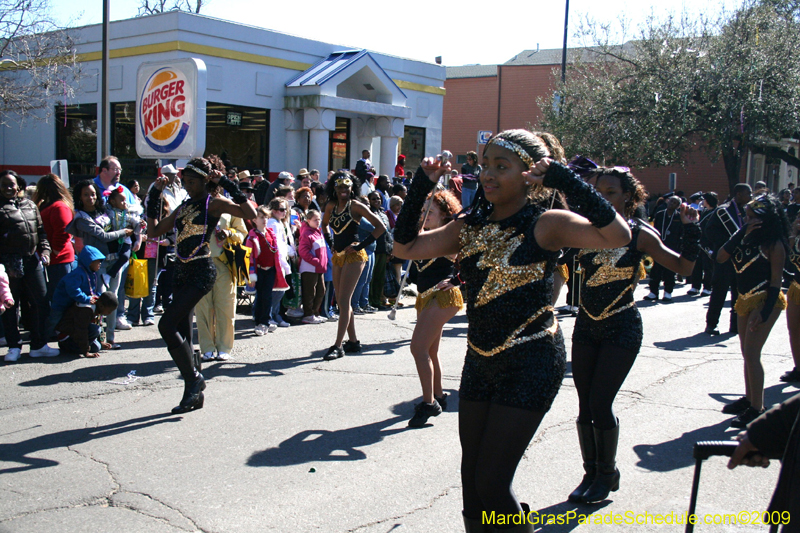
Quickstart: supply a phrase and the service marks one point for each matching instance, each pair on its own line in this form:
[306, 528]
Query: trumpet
[728, 223]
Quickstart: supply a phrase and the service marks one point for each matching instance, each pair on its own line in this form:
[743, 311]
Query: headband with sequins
[195, 169]
[514, 147]
[758, 205]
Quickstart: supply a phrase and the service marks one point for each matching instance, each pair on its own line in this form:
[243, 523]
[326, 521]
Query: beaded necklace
[205, 231]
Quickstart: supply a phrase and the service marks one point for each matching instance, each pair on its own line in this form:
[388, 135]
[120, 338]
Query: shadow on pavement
[315, 445]
[564, 517]
[103, 373]
[694, 341]
[19, 452]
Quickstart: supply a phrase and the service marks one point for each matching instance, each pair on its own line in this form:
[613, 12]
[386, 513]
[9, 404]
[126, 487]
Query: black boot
[607, 478]
[474, 525]
[194, 384]
[589, 454]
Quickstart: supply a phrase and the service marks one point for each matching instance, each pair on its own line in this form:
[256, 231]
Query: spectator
[383, 249]
[278, 211]
[110, 172]
[55, 205]
[23, 250]
[265, 267]
[400, 168]
[313, 265]
[79, 327]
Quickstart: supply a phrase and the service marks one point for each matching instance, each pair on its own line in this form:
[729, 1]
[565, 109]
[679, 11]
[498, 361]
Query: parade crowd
[501, 238]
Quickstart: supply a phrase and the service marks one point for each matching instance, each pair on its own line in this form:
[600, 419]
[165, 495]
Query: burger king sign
[171, 109]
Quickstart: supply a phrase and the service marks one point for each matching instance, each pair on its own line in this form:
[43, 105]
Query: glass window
[123, 143]
[412, 145]
[339, 149]
[239, 135]
[76, 139]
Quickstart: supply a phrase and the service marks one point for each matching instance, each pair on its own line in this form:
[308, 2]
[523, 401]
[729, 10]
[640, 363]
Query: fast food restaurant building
[272, 101]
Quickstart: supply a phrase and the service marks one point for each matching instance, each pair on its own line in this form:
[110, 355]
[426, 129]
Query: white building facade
[274, 101]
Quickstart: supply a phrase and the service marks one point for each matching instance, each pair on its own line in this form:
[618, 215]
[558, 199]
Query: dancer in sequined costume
[758, 251]
[793, 305]
[194, 221]
[608, 330]
[438, 300]
[343, 215]
[507, 245]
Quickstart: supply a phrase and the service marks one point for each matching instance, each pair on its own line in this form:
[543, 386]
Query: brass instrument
[728, 223]
[647, 261]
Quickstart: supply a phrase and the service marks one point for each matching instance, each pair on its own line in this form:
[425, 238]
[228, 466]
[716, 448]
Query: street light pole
[105, 127]
[564, 50]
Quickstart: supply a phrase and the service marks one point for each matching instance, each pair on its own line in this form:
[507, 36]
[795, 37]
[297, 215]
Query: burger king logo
[163, 117]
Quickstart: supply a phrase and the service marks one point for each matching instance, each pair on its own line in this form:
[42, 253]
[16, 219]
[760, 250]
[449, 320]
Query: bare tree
[152, 7]
[38, 65]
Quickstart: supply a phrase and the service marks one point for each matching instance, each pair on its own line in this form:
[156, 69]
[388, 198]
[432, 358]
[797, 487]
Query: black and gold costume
[427, 274]
[345, 233]
[753, 275]
[794, 257]
[608, 310]
[194, 228]
[516, 355]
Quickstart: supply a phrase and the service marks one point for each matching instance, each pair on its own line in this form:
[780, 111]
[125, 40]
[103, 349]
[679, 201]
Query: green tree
[38, 66]
[726, 85]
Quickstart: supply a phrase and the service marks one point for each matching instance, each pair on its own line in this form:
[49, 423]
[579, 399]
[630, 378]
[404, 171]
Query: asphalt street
[288, 442]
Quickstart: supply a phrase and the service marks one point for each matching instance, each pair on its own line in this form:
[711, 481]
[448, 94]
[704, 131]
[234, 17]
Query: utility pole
[563, 50]
[105, 127]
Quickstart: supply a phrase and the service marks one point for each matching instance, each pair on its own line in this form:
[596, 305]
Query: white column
[320, 122]
[365, 133]
[388, 155]
[293, 122]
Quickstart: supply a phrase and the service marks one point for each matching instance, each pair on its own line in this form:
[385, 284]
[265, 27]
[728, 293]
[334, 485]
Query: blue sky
[491, 33]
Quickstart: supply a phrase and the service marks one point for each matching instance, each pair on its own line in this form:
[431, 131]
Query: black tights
[493, 439]
[598, 372]
[175, 325]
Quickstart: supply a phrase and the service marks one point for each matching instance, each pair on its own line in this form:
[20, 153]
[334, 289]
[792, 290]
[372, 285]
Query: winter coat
[311, 247]
[266, 254]
[5, 291]
[56, 217]
[21, 228]
[94, 229]
[79, 285]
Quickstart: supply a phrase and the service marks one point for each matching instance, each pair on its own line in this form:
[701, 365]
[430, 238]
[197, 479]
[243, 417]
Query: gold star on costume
[190, 229]
[497, 246]
[609, 273]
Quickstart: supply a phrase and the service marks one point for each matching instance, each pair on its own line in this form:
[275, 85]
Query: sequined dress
[515, 355]
[753, 275]
[608, 312]
[345, 228]
[194, 229]
[429, 273]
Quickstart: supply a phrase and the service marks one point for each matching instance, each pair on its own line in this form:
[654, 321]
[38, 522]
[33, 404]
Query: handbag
[151, 249]
[137, 284]
[391, 287]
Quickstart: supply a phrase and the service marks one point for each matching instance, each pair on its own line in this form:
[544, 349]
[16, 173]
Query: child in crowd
[278, 209]
[78, 287]
[6, 299]
[79, 328]
[265, 270]
[313, 264]
[120, 249]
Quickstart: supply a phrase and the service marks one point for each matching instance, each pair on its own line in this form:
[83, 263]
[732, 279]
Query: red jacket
[55, 218]
[311, 247]
[265, 254]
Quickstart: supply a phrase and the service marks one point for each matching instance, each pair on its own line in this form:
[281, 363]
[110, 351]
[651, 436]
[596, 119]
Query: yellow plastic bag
[136, 284]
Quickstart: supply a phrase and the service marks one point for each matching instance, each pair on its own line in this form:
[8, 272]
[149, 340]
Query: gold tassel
[563, 271]
[340, 258]
[747, 304]
[444, 299]
[642, 271]
[794, 293]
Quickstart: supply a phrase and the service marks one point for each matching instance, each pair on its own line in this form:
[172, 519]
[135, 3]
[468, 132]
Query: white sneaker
[706, 292]
[283, 324]
[311, 320]
[123, 324]
[208, 356]
[12, 355]
[294, 313]
[667, 297]
[149, 321]
[272, 327]
[222, 356]
[333, 318]
[320, 319]
[258, 330]
[44, 351]
[652, 297]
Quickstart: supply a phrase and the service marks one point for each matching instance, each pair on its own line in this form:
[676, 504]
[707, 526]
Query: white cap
[285, 176]
[168, 169]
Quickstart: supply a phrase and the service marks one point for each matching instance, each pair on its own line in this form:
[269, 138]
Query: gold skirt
[794, 293]
[563, 271]
[747, 304]
[443, 299]
[341, 259]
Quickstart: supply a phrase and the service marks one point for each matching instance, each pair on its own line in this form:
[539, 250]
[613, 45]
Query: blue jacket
[79, 285]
